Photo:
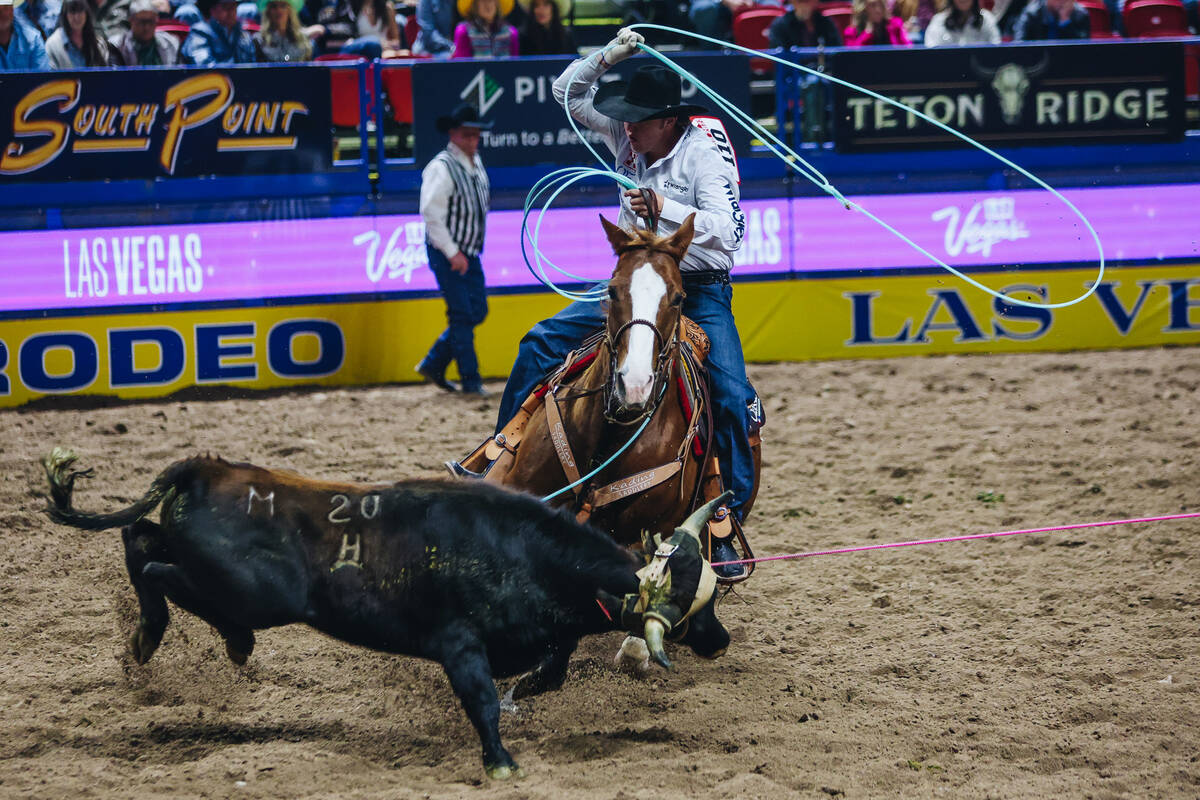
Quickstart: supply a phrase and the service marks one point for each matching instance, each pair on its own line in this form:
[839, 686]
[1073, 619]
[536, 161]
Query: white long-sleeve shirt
[938, 35]
[436, 188]
[693, 178]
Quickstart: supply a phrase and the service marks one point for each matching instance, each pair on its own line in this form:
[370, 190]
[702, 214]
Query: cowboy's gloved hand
[624, 46]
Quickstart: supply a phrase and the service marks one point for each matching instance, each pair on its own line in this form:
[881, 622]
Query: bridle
[662, 367]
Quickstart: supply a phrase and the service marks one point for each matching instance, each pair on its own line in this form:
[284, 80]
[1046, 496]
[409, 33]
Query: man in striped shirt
[454, 203]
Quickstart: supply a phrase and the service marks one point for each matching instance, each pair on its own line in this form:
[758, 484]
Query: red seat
[750, 30]
[343, 85]
[1155, 18]
[179, 30]
[1100, 19]
[397, 85]
[412, 29]
[1191, 71]
[750, 27]
[840, 14]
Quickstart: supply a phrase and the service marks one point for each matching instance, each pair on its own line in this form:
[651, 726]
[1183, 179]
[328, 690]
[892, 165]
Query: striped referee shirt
[454, 202]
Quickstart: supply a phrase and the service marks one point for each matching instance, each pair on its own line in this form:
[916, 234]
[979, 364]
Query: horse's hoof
[503, 773]
[633, 657]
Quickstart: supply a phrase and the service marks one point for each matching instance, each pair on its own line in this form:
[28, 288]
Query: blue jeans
[549, 341]
[370, 49]
[466, 307]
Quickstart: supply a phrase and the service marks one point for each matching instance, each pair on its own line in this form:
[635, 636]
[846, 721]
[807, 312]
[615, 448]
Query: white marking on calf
[646, 288]
[351, 554]
[341, 503]
[369, 506]
[269, 500]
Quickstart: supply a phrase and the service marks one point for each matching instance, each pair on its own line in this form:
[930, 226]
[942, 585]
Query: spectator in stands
[484, 33]
[714, 18]
[368, 28]
[962, 22]
[1007, 12]
[916, 15]
[281, 38]
[21, 48]
[543, 33]
[42, 15]
[455, 195]
[111, 16]
[143, 45]
[874, 24]
[436, 18]
[1052, 19]
[806, 26]
[76, 43]
[218, 39]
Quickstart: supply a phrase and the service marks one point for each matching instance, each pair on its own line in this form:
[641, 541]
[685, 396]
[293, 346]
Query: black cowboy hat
[464, 115]
[206, 6]
[653, 92]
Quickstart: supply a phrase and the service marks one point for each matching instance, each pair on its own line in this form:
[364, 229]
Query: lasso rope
[862, 548]
[790, 157]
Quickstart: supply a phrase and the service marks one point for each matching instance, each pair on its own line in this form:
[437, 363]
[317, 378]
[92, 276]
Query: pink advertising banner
[172, 264]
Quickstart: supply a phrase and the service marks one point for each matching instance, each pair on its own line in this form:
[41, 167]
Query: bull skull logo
[1011, 83]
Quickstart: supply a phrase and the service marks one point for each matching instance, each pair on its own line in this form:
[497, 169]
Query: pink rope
[958, 538]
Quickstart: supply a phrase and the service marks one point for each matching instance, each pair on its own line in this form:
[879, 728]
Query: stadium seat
[1100, 19]
[412, 29]
[397, 85]
[1191, 71]
[179, 30]
[343, 84]
[840, 14]
[750, 30]
[1144, 18]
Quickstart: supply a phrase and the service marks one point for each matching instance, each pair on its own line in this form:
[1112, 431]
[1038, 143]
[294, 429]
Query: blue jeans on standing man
[466, 307]
[709, 306]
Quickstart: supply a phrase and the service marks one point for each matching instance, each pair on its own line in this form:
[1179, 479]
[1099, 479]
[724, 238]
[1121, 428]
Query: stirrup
[725, 528]
[457, 470]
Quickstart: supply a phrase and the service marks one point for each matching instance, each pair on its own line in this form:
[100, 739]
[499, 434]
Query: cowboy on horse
[681, 173]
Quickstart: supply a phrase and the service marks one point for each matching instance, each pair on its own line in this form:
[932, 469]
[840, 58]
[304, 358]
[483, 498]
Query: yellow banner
[156, 354]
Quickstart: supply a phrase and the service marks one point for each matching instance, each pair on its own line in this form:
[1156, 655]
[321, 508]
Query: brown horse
[654, 483]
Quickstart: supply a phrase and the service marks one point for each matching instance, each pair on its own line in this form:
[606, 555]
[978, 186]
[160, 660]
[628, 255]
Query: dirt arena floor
[1058, 665]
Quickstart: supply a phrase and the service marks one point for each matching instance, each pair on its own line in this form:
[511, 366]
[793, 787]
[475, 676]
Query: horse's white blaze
[646, 288]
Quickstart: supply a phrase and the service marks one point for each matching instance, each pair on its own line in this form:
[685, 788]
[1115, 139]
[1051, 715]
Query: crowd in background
[69, 34]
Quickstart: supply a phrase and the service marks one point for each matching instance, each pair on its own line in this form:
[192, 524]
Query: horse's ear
[679, 241]
[618, 237]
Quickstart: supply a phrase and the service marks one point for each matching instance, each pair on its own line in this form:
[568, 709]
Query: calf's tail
[58, 463]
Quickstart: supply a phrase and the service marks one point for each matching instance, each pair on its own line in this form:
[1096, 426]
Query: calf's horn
[654, 632]
[700, 516]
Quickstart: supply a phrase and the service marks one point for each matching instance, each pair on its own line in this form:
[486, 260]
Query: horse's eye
[612, 293]
[677, 300]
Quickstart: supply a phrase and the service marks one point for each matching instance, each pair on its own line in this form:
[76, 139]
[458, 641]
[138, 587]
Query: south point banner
[114, 125]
